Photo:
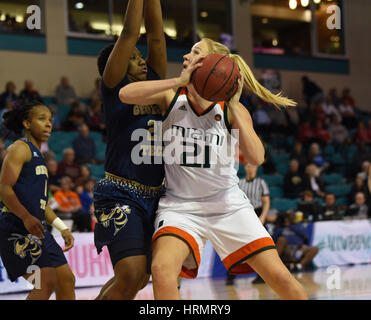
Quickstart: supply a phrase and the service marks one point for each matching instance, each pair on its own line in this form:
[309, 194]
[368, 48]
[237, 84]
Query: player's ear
[26, 124]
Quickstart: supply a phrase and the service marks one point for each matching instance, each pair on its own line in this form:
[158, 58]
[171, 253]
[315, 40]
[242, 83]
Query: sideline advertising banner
[342, 242]
[89, 268]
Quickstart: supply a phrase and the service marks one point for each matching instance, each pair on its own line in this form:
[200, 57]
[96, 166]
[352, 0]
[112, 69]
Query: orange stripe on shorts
[189, 240]
[234, 262]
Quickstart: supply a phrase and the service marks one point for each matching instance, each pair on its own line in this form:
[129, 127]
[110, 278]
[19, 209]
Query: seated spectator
[85, 175]
[333, 97]
[320, 133]
[268, 165]
[75, 118]
[362, 154]
[305, 132]
[313, 181]
[67, 200]
[8, 95]
[55, 120]
[364, 170]
[310, 208]
[361, 135]
[9, 105]
[298, 154]
[330, 110]
[29, 93]
[330, 210]
[359, 185]
[337, 131]
[315, 156]
[293, 184]
[69, 206]
[65, 93]
[96, 117]
[261, 118]
[54, 179]
[317, 113]
[95, 95]
[346, 95]
[292, 242]
[359, 209]
[85, 193]
[68, 167]
[349, 116]
[84, 146]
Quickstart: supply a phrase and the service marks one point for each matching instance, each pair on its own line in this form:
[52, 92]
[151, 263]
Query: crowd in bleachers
[317, 154]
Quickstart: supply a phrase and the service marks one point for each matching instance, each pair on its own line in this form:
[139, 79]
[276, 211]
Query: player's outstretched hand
[68, 238]
[34, 226]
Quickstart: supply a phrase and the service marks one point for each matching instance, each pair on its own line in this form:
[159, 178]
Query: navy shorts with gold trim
[19, 250]
[125, 211]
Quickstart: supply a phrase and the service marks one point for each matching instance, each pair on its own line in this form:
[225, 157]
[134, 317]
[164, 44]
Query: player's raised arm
[157, 58]
[118, 60]
[17, 155]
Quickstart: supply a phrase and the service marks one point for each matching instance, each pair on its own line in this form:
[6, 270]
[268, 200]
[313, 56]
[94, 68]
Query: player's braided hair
[13, 119]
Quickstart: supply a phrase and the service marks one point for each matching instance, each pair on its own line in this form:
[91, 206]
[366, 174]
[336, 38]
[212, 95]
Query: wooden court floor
[334, 283]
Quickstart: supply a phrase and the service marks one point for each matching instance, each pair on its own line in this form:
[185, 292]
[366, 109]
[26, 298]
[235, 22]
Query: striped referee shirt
[254, 189]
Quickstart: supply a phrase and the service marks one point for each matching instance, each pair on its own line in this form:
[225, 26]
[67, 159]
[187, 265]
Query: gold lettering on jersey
[155, 151]
[144, 110]
[40, 170]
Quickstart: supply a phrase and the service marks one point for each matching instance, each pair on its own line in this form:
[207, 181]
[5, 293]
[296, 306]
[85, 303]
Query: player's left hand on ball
[68, 239]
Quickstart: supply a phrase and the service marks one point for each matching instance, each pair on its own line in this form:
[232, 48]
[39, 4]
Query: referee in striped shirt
[256, 189]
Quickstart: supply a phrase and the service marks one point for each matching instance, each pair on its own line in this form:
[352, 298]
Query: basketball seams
[210, 73]
[230, 75]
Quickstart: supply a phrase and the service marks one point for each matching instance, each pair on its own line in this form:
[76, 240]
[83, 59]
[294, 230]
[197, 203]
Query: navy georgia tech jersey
[31, 187]
[134, 143]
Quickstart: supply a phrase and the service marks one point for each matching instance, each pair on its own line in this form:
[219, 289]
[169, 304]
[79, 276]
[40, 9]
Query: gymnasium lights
[293, 4]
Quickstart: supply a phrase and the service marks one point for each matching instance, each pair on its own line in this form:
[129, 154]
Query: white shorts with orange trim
[236, 234]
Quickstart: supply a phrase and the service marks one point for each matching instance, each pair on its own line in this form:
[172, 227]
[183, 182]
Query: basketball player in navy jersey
[27, 249]
[126, 200]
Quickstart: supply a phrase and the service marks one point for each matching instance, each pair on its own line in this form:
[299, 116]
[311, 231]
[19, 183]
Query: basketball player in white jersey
[203, 200]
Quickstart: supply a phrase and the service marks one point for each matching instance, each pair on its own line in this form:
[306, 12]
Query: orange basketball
[217, 78]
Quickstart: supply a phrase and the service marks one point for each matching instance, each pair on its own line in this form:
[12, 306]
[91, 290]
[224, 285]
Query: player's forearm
[153, 19]
[250, 143]
[133, 19]
[11, 201]
[141, 92]
[50, 215]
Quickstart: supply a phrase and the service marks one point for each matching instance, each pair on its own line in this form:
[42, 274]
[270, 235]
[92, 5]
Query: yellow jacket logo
[118, 215]
[26, 244]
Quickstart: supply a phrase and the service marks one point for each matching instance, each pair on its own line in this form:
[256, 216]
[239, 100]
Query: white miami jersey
[199, 150]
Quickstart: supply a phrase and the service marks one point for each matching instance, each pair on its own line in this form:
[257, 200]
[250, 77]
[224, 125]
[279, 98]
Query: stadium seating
[339, 190]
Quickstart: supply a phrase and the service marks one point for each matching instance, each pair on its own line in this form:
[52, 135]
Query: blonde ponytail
[249, 79]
